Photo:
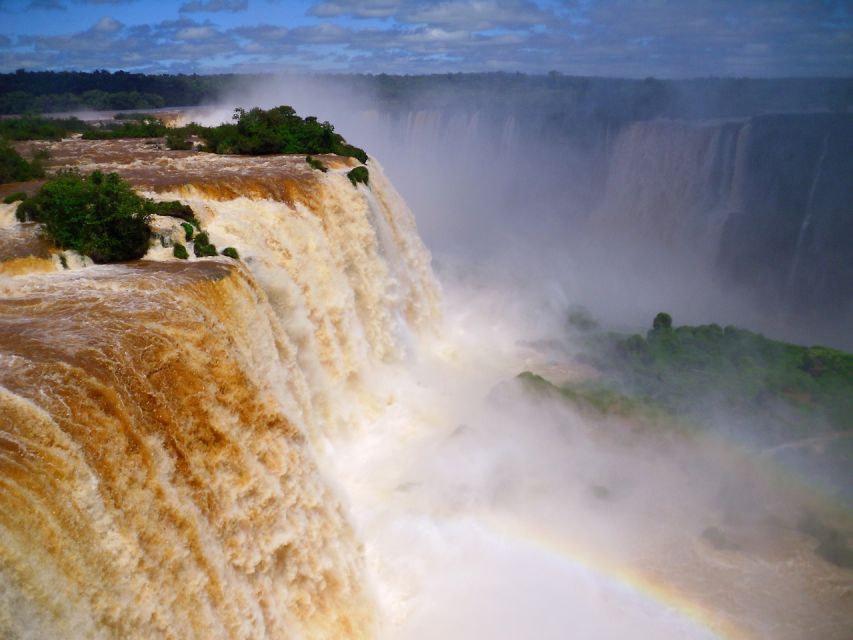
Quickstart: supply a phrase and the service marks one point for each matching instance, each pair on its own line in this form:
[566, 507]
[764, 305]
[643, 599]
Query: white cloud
[195, 33]
[107, 25]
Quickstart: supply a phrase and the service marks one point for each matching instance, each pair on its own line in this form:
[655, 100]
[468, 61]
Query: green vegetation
[572, 101]
[102, 217]
[173, 208]
[14, 168]
[255, 132]
[149, 128]
[274, 131]
[662, 321]
[202, 247]
[96, 215]
[36, 128]
[46, 91]
[703, 373]
[601, 399]
[18, 196]
[178, 140]
[359, 174]
[316, 164]
[180, 251]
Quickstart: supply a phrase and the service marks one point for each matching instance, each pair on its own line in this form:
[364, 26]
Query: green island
[781, 389]
[787, 402]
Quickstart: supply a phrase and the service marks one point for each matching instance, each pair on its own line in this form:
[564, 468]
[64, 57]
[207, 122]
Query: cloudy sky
[633, 38]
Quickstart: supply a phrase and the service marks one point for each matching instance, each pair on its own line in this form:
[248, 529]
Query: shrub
[26, 211]
[37, 163]
[174, 209]
[97, 215]
[180, 251]
[202, 247]
[37, 128]
[359, 174]
[231, 252]
[316, 164]
[662, 321]
[149, 128]
[188, 231]
[15, 197]
[178, 140]
[14, 168]
[350, 151]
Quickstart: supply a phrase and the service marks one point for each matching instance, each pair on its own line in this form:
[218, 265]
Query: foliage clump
[254, 132]
[316, 164]
[14, 168]
[231, 252]
[18, 196]
[174, 209]
[180, 251]
[778, 388]
[178, 140]
[274, 131]
[189, 230]
[38, 128]
[96, 215]
[202, 247]
[662, 321]
[359, 174]
[146, 128]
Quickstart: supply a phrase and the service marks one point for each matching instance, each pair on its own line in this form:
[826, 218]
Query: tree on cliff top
[277, 130]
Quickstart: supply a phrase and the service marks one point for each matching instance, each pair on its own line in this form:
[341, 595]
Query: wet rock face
[790, 236]
[768, 201]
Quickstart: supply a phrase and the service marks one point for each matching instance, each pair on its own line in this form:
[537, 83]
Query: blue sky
[629, 38]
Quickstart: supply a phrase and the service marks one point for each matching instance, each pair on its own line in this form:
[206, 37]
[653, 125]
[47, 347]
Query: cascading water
[299, 446]
[157, 481]
[159, 421]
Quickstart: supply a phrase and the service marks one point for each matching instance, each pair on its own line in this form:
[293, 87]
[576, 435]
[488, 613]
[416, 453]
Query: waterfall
[808, 219]
[161, 422]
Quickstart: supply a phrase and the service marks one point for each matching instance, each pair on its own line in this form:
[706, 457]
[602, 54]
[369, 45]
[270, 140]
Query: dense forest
[52, 91]
[601, 98]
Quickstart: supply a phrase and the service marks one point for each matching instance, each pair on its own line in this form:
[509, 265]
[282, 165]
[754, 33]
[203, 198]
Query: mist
[628, 198]
[489, 511]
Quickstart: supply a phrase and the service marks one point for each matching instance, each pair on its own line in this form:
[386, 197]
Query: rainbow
[619, 577]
